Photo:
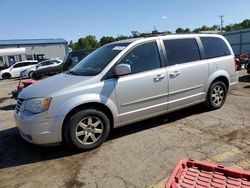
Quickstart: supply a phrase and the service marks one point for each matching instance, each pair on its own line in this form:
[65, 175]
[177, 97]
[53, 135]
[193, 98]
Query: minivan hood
[46, 87]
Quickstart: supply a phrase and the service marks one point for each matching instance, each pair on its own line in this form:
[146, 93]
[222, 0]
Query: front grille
[18, 105]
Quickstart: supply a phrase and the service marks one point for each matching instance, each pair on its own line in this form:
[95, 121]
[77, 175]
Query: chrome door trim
[145, 99]
[184, 98]
[187, 89]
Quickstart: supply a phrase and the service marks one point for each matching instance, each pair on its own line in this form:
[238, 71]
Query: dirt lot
[138, 155]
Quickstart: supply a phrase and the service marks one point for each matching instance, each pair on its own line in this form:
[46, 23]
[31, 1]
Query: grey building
[36, 49]
[239, 40]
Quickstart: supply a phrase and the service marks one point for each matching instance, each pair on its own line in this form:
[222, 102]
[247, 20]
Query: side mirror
[122, 69]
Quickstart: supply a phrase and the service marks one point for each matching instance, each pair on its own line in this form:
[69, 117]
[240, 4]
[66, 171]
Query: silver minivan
[125, 82]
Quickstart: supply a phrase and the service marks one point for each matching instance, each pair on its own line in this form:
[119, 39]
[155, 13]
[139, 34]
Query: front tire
[216, 95]
[6, 76]
[87, 129]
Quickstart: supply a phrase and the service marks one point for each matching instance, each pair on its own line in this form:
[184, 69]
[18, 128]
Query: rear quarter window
[215, 47]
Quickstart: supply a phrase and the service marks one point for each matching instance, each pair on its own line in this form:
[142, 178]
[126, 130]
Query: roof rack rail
[155, 34]
[164, 34]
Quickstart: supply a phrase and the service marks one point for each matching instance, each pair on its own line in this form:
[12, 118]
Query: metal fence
[239, 40]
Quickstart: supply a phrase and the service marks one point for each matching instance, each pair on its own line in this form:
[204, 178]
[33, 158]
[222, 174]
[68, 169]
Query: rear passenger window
[215, 47]
[25, 64]
[181, 51]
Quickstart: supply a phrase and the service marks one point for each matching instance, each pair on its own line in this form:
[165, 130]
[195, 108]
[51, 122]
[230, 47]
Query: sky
[72, 19]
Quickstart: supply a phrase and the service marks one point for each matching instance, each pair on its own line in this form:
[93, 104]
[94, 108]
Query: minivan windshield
[95, 62]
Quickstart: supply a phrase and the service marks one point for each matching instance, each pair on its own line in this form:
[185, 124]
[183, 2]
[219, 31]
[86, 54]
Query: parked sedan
[49, 67]
[28, 73]
[14, 70]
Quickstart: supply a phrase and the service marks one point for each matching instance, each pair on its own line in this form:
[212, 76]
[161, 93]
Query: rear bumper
[234, 81]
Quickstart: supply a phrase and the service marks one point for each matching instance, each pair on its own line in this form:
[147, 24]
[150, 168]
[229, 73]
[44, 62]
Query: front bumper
[38, 129]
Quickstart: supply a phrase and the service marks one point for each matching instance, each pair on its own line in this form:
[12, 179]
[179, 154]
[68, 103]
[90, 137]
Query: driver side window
[143, 58]
[17, 65]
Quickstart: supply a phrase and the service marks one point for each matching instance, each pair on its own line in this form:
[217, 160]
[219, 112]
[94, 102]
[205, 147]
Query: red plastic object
[26, 83]
[196, 174]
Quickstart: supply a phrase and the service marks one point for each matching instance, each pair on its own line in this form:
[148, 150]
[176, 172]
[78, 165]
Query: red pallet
[189, 173]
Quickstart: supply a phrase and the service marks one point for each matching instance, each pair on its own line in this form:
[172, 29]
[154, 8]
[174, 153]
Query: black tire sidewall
[210, 103]
[36, 76]
[6, 76]
[72, 124]
[31, 74]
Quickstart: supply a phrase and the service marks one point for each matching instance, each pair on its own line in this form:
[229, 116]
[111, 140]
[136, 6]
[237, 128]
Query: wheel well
[7, 73]
[93, 105]
[222, 79]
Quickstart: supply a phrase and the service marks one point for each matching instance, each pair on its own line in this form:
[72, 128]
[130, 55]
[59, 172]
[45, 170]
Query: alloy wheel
[218, 95]
[89, 130]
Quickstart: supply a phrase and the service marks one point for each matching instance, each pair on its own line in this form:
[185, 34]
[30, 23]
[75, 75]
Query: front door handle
[174, 74]
[159, 77]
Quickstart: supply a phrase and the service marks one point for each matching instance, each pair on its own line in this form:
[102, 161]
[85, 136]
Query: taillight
[235, 64]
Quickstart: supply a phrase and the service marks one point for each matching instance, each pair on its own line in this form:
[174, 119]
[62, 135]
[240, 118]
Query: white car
[14, 70]
[27, 73]
[47, 63]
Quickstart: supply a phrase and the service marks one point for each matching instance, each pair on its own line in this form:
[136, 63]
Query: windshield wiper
[71, 72]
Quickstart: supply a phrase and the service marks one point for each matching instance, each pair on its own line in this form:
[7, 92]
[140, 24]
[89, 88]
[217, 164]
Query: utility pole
[221, 23]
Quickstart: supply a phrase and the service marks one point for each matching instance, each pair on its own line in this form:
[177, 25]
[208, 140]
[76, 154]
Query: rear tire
[86, 129]
[216, 95]
[247, 66]
[6, 76]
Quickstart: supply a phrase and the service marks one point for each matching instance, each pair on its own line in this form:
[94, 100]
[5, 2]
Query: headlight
[37, 105]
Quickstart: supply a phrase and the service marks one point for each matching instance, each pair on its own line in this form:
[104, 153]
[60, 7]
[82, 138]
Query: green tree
[106, 40]
[71, 45]
[245, 24]
[205, 28]
[187, 30]
[87, 43]
[179, 30]
[135, 34]
[215, 27]
[121, 37]
[197, 30]
[233, 27]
